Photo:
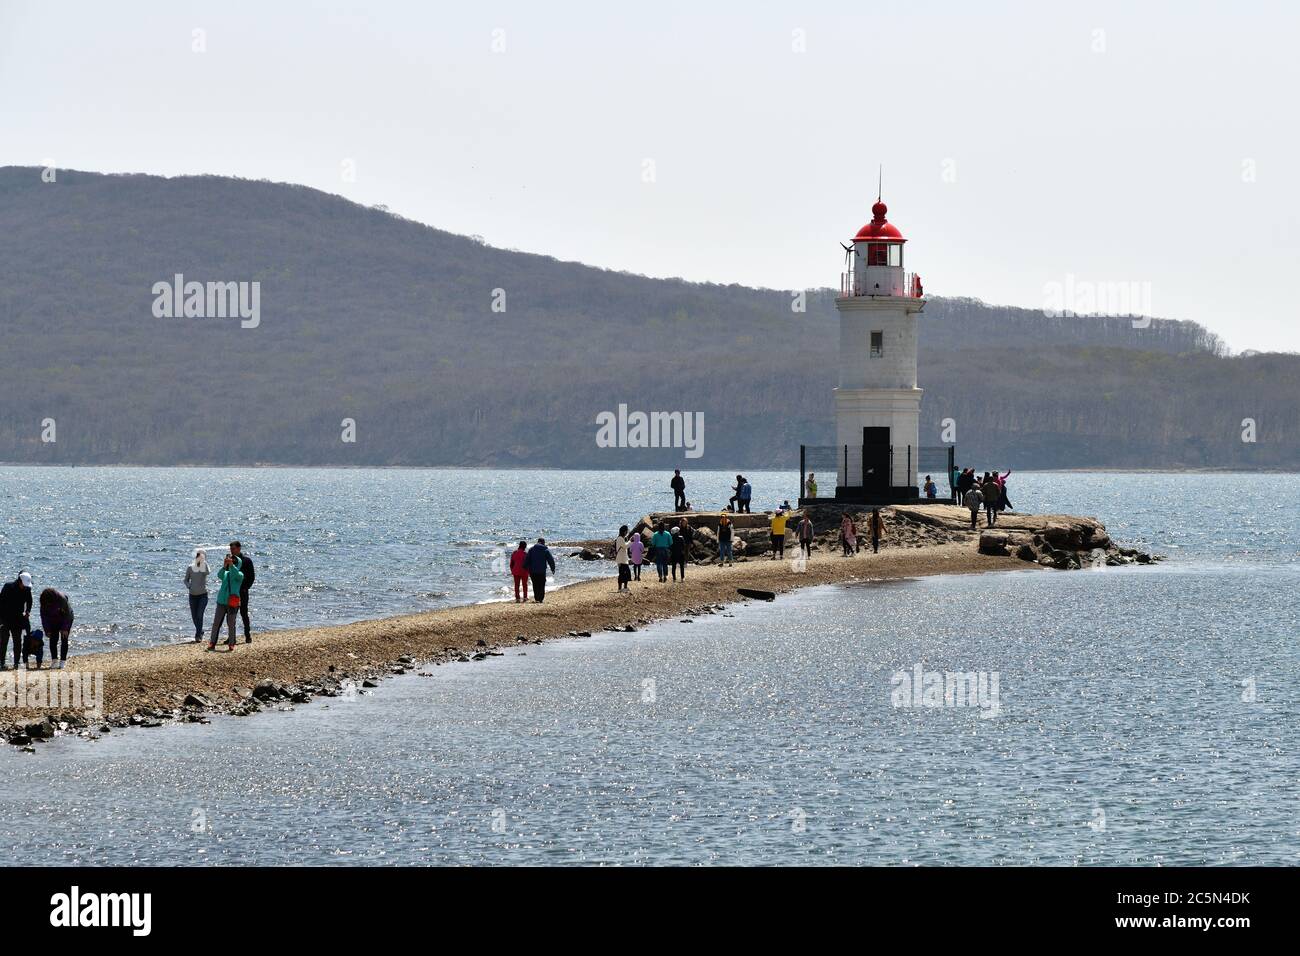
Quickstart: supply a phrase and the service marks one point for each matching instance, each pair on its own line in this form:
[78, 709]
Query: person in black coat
[15, 615]
[678, 485]
[246, 566]
[538, 560]
[678, 553]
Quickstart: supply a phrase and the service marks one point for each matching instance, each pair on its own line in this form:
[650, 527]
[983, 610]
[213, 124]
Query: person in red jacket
[519, 572]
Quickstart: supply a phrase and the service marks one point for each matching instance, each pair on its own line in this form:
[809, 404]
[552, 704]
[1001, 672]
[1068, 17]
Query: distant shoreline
[275, 466]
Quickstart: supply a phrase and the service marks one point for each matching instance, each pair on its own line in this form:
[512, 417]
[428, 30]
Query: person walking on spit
[1004, 501]
[778, 535]
[806, 536]
[636, 554]
[56, 622]
[538, 560]
[811, 485]
[231, 579]
[661, 545]
[15, 615]
[724, 541]
[965, 481]
[688, 538]
[196, 582]
[992, 495]
[746, 492]
[246, 568]
[621, 558]
[848, 535]
[519, 571]
[877, 529]
[974, 498]
[678, 550]
[931, 489]
[678, 485]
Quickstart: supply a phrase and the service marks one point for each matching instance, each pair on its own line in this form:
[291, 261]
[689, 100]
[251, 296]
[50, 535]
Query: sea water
[1143, 715]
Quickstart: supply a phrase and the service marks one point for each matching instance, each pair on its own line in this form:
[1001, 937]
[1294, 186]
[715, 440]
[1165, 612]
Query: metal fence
[876, 469]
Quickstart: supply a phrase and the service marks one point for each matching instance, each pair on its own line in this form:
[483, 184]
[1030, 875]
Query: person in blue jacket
[539, 558]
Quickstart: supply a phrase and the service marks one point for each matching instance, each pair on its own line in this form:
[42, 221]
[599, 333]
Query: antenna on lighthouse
[880, 181]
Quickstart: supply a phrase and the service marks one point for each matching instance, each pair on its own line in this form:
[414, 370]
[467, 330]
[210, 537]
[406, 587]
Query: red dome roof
[879, 229]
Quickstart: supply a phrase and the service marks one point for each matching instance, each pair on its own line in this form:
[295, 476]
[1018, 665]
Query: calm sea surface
[1143, 715]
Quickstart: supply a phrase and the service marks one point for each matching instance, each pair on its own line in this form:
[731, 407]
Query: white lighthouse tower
[877, 402]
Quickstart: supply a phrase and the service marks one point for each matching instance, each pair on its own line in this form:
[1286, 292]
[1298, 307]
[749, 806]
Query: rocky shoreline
[182, 683]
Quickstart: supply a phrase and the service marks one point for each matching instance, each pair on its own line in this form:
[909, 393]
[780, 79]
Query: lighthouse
[877, 401]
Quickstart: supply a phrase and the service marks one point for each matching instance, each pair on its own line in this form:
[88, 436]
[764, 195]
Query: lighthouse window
[877, 344]
[895, 255]
[877, 254]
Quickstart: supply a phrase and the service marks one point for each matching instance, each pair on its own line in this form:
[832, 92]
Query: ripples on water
[769, 736]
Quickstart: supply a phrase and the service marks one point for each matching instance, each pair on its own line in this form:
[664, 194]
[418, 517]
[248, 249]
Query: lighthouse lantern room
[877, 401]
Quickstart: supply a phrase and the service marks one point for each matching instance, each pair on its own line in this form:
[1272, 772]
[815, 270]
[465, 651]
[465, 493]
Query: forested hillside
[370, 317]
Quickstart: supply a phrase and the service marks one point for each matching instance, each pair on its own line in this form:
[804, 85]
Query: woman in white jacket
[196, 579]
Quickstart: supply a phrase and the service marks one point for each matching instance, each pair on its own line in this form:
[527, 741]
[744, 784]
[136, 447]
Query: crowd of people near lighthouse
[669, 545]
[987, 492]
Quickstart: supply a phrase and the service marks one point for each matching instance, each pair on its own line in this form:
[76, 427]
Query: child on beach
[848, 535]
[519, 572]
[636, 552]
[35, 644]
[621, 558]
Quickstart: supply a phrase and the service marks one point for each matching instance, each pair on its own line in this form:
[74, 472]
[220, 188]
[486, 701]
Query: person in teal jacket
[231, 578]
[661, 544]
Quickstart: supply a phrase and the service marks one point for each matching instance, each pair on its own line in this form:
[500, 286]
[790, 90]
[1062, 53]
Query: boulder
[994, 542]
[197, 700]
[268, 690]
[1026, 552]
[42, 729]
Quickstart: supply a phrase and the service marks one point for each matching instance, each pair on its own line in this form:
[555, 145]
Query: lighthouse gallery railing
[910, 287]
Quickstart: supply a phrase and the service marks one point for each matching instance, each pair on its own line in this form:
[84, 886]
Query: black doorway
[875, 459]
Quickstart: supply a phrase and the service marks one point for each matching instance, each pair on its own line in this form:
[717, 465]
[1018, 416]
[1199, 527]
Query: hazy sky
[1132, 142]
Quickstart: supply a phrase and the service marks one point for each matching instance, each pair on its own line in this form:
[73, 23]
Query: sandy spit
[159, 678]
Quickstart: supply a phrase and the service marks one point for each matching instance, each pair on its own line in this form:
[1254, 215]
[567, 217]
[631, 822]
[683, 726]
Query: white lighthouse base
[881, 429]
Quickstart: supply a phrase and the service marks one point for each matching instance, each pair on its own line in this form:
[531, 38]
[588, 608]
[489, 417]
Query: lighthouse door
[875, 459]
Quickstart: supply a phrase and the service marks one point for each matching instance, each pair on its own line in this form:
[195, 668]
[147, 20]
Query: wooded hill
[368, 316]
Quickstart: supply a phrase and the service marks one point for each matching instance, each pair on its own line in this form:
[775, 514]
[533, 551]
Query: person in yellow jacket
[778, 535]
